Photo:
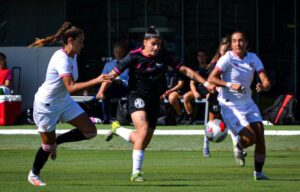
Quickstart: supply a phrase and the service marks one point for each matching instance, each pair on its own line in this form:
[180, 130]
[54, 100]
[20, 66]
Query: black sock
[258, 166]
[40, 160]
[70, 136]
[190, 117]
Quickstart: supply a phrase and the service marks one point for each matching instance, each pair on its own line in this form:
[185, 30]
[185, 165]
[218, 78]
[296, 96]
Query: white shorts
[46, 115]
[238, 117]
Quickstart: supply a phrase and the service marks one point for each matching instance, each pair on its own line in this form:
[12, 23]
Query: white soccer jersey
[238, 71]
[53, 88]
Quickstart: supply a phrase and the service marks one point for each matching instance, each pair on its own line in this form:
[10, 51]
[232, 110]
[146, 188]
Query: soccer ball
[216, 131]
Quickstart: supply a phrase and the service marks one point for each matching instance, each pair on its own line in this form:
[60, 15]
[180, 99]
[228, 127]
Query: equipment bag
[282, 111]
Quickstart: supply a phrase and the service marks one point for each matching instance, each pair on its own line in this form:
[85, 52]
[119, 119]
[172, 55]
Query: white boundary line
[157, 132]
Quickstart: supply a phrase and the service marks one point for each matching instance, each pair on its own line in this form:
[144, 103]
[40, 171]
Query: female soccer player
[53, 101]
[147, 67]
[234, 74]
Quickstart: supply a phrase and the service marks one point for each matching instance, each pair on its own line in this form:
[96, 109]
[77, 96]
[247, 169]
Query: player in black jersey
[147, 68]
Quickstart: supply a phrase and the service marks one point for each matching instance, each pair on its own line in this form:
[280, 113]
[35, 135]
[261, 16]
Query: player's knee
[90, 133]
[173, 100]
[185, 98]
[248, 141]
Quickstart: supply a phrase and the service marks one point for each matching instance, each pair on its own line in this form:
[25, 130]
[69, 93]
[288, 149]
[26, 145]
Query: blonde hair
[63, 33]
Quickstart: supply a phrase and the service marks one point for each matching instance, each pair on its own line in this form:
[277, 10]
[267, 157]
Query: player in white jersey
[53, 102]
[234, 74]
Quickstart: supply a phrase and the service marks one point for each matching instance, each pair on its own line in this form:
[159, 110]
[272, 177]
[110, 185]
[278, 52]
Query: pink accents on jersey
[138, 66]
[178, 66]
[136, 50]
[63, 50]
[262, 70]
[65, 75]
[219, 69]
[117, 71]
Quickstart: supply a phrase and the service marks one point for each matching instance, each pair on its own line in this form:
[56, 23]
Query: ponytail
[63, 33]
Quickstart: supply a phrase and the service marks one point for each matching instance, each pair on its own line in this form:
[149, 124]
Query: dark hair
[240, 31]
[4, 57]
[152, 32]
[63, 33]
[202, 50]
[121, 44]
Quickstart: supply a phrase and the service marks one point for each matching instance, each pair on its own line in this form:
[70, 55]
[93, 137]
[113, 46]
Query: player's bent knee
[90, 135]
[247, 142]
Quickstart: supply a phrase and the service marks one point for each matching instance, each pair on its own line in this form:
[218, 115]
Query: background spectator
[118, 87]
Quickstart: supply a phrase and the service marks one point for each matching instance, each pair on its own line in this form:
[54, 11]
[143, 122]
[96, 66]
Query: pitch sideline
[157, 132]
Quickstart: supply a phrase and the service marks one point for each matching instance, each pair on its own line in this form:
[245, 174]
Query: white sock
[235, 138]
[205, 142]
[124, 133]
[137, 161]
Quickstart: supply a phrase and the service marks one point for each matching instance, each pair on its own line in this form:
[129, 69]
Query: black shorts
[149, 105]
[213, 104]
[202, 90]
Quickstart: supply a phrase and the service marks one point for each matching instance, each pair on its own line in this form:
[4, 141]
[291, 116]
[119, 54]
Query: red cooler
[10, 107]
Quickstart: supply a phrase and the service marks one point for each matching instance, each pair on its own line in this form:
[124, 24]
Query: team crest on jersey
[252, 65]
[139, 103]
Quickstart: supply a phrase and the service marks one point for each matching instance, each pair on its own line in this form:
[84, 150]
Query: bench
[197, 101]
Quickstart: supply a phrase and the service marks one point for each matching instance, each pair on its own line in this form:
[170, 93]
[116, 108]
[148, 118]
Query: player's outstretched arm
[214, 78]
[196, 77]
[73, 87]
[105, 85]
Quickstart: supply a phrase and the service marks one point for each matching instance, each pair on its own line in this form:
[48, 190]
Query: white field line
[157, 132]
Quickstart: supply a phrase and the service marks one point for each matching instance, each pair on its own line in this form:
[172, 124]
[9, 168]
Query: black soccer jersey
[147, 74]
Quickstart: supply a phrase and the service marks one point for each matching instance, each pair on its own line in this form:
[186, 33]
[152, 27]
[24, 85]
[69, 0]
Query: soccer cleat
[259, 176]
[35, 179]
[111, 133]
[239, 156]
[180, 118]
[206, 152]
[189, 122]
[137, 177]
[53, 155]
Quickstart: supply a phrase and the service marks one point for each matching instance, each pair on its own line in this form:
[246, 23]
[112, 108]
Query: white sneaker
[238, 153]
[35, 179]
[239, 156]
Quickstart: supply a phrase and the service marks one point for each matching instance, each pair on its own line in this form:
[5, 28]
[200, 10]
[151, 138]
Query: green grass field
[172, 163]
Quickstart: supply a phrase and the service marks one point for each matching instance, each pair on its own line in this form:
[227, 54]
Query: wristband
[228, 84]
[205, 84]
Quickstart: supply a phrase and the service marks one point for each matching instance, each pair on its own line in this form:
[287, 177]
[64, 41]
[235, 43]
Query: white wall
[33, 63]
